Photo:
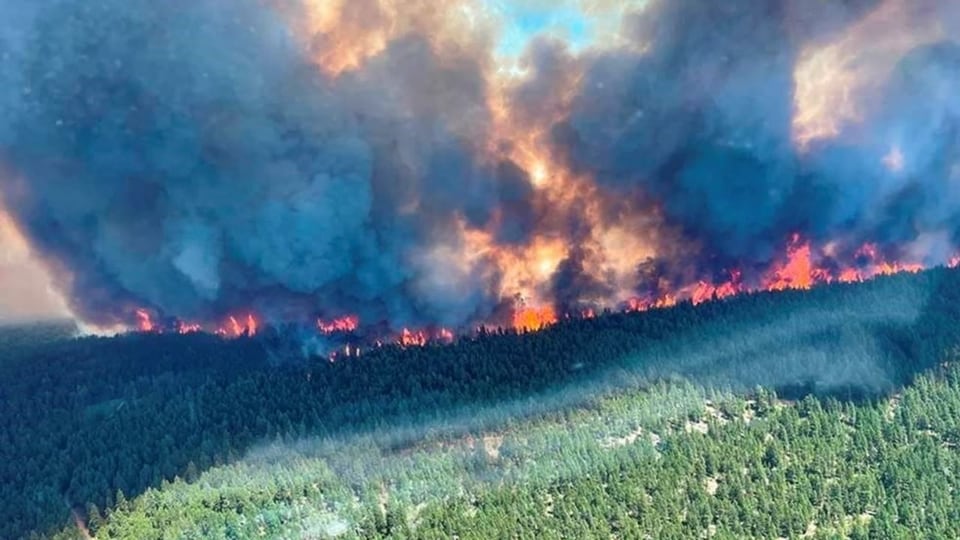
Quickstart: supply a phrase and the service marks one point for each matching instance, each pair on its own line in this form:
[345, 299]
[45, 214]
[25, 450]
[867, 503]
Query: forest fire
[249, 327]
[410, 172]
[420, 338]
[145, 321]
[801, 267]
[532, 319]
[346, 324]
[313, 179]
[798, 271]
[410, 338]
[235, 328]
[704, 291]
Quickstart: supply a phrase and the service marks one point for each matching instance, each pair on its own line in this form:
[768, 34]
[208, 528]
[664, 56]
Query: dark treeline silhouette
[94, 422]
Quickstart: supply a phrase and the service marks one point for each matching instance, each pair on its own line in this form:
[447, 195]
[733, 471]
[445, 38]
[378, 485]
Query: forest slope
[107, 423]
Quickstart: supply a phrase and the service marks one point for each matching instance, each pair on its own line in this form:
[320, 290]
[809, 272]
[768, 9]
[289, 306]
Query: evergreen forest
[829, 413]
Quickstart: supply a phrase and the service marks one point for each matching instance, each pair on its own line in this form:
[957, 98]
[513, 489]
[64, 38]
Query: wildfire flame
[802, 267]
[344, 324]
[144, 321]
[798, 271]
[833, 79]
[410, 338]
[704, 291]
[532, 319]
[235, 328]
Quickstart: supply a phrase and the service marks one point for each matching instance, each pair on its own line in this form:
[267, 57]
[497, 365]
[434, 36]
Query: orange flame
[704, 292]
[850, 275]
[832, 80]
[641, 304]
[875, 265]
[345, 324]
[145, 321]
[410, 338]
[798, 271]
[234, 328]
[532, 319]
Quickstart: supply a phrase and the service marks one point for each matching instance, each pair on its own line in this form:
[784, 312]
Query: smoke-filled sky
[422, 163]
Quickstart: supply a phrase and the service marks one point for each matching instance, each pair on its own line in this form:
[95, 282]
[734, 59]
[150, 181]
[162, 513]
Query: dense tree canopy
[772, 414]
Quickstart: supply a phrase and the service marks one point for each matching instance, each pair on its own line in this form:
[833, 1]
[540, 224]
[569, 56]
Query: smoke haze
[27, 293]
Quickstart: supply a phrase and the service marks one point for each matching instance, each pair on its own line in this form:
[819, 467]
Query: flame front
[236, 326]
[532, 318]
[348, 323]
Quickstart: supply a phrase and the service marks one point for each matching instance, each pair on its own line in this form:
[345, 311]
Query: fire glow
[234, 326]
[801, 267]
[344, 324]
[533, 318]
[144, 321]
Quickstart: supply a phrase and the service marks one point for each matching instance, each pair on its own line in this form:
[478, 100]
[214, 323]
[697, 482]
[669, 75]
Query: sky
[579, 22]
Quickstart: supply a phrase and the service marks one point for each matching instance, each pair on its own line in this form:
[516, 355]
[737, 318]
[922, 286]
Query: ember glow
[409, 171]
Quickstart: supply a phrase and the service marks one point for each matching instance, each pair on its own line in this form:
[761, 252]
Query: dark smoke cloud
[701, 120]
[574, 289]
[698, 111]
[188, 156]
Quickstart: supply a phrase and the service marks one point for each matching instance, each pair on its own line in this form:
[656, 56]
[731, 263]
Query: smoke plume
[302, 160]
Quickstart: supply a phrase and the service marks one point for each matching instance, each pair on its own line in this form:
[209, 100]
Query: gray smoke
[190, 157]
[697, 113]
[187, 156]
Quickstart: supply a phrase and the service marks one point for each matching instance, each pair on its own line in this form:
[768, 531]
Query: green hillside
[827, 413]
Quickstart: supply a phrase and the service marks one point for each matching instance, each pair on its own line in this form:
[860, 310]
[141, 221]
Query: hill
[825, 413]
